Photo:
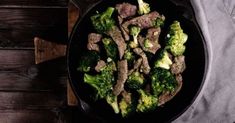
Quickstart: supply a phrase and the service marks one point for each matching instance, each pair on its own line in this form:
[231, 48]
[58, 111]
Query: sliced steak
[94, 38]
[116, 35]
[95, 47]
[145, 64]
[124, 33]
[122, 77]
[144, 21]
[178, 65]
[126, 10]
[167, 96]
[137, 65]
[101, 64]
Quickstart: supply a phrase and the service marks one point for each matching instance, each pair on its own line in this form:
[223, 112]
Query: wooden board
[39, 3]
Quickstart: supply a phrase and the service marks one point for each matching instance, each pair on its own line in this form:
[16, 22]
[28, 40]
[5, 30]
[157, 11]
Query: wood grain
[19, 26]
[33, 3]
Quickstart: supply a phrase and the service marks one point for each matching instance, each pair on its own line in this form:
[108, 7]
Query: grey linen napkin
[216, 101]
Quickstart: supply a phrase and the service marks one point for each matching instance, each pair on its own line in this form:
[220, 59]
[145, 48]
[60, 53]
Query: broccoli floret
[135, 80]
[163, 60]
[112, 101]
[87, 61]
[162, 80]
[103, 22]
[147, 43]
[127, 107]
[144, 7]
[111, 48]
[159, 22]
[129, 56]
[176, 39]
[146, 102]
[134, 32]
[102, 82]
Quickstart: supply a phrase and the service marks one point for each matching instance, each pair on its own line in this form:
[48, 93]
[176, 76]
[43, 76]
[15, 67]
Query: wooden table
[32, 93]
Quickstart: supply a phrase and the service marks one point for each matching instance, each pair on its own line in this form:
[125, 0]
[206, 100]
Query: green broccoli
[127, 107]
[163, 60]
[147, 43]
[129, 56]
[134, 32]
[159, 22]
[87, 61]
[176, 39]
[103, 22]
[144, 7]
[146, 102]
[162, 80]
[103, 82]
[112, 101]
[111, 48]
[135, 80]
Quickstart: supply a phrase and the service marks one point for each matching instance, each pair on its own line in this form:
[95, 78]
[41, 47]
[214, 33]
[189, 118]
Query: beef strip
[93, 38]
[126, 9]
[178, 65]
[165, 97]
[137, 65]
[124, 33]
[122, 77]
[116, 35]
[101, 64]
[144, 21]
[95, 47]
[145, 64]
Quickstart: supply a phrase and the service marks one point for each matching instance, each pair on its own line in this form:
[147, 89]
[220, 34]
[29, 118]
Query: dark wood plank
[18, 27]
[30, 101]
[17, 60]
[27, 116]
[33, 3]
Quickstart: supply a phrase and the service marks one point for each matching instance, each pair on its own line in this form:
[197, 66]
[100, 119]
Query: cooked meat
[124, 33]
[116, 35]
[126, 10]
[94, 38]
[144, 21]
[92, 46]
[145, 64]
[165, 97]
[137, 65]
[126, 96]
[101, 64]
[122, 77]
[179, 65]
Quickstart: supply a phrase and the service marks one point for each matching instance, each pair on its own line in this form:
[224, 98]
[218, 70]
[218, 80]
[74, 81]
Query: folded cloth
[216, 101]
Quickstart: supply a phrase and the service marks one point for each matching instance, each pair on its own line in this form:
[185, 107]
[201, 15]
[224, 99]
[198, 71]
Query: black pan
[194, 76]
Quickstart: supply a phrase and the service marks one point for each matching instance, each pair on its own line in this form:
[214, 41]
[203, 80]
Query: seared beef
[93, 38]
[122, 77]
[144, 21]
[165, 97]
[101, 64]
[126, 10]
[116, 35]
[145, 68]
[178, 65]
[125, 34]
[91, 46]
[137, 65]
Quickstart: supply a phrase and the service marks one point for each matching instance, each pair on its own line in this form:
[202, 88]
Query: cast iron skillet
[193, 78]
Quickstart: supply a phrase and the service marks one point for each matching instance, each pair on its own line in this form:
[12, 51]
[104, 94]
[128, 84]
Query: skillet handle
[84, 5]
